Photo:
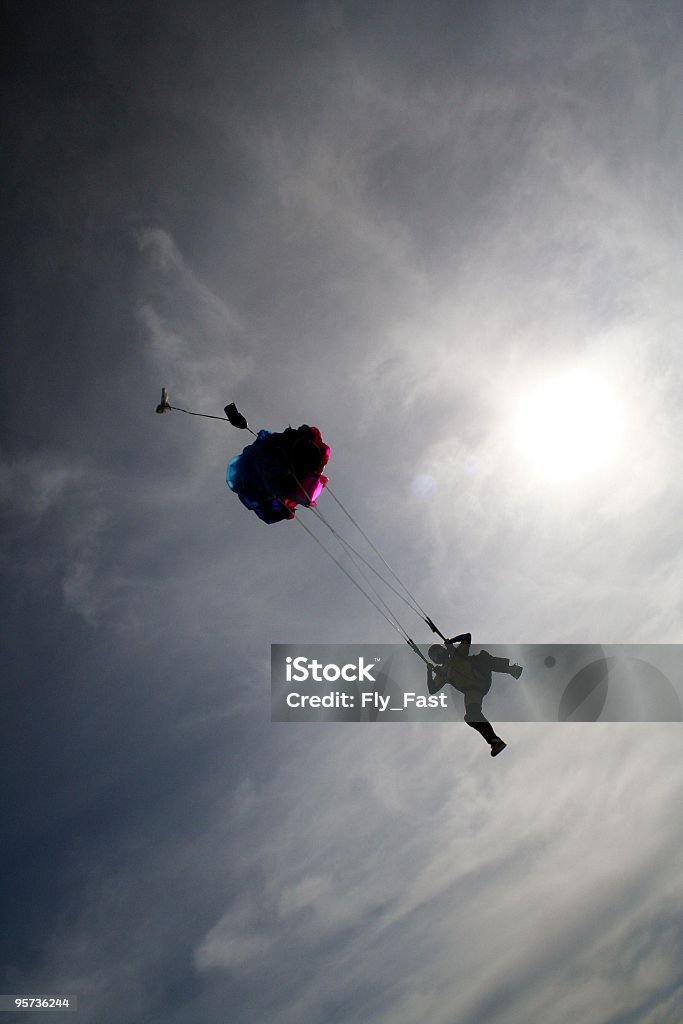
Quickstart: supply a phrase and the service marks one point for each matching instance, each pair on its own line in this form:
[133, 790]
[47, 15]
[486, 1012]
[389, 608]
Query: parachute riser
[434, 628]
[416, 649]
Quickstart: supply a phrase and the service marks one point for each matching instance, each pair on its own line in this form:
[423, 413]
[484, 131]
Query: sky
[447, 234]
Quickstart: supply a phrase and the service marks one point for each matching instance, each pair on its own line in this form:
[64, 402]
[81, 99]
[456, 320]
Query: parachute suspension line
[357, 558]
[387, 613]
[356, 555]
[415, 605]
[394, 624]
[411, 602]
[350, 547]
[362, 532]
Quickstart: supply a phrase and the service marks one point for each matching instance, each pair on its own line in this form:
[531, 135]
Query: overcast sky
[449, 235]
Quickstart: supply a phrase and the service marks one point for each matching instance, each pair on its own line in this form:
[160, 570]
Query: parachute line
[394, 624]
[415, 605]
[385, 611]
[350, 547]
[357, 558]
[410, 601]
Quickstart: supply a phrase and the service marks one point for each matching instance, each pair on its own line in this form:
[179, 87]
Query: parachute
[279, 471]
[276, 473]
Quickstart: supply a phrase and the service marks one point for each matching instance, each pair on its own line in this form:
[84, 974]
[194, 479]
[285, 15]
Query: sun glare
[570, 425]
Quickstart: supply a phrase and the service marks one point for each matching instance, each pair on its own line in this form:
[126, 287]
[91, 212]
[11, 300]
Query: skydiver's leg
[474, 717]
[503, 665]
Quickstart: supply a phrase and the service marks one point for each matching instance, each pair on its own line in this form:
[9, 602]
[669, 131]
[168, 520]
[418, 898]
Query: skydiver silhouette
[471, 675]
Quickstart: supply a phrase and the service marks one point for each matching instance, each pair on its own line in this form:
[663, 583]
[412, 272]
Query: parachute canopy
[279, 471]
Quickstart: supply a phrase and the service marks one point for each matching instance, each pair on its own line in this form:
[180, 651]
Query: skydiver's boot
[516, 671]
[486, 730]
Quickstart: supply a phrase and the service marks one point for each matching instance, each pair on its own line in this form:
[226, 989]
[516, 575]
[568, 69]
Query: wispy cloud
[236, 941]
[195, 338]
[477, 862]
[31, 485]
[54, 495]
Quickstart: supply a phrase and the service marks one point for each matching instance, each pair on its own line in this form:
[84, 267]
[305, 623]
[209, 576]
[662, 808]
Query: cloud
[57, 520]
[304, 894]
[31, 485]
[234, 942]
[386, 877]
[165, 255]
[195, 337]
[82, 584]
[481, 895]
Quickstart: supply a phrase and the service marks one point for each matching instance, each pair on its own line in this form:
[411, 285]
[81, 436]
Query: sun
[570, 425]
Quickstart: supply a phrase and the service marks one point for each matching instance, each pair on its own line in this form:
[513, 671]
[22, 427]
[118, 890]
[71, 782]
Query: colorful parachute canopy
[277, 472]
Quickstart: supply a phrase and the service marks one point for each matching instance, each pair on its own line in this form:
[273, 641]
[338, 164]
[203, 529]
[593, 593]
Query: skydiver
[471, 675]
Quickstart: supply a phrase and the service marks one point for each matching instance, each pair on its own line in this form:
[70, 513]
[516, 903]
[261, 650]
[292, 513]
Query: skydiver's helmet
[438, 654]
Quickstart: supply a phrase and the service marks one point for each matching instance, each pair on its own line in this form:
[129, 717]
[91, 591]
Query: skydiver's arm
[432, 674]
[461, 638]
